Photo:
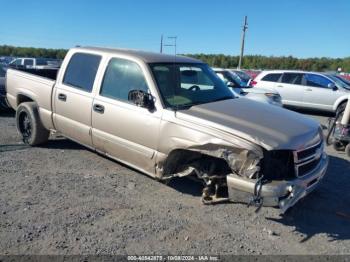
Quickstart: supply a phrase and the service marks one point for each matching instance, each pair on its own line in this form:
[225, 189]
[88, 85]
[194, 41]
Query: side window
[292, 78]
[317, 81]
[271, 77]
[120, 78]
[81, 71]
[28, 62]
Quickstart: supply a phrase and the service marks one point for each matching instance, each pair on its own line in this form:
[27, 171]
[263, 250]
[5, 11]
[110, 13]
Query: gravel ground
[64, 199]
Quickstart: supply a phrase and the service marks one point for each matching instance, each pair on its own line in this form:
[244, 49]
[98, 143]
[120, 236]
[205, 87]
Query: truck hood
[268, 126]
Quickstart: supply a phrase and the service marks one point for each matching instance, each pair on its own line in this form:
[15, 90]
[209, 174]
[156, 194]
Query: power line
[174, 38]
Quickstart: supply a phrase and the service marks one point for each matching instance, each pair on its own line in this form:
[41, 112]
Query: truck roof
[147, 57]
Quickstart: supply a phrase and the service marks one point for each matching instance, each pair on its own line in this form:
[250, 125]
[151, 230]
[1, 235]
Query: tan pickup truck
[171, 117]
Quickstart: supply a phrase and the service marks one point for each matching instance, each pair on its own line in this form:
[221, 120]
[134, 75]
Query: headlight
[274, 97]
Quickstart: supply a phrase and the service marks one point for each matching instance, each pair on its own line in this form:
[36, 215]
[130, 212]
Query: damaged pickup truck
[171, 116]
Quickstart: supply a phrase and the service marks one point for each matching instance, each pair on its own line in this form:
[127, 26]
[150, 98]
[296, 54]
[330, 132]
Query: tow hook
[257, 200]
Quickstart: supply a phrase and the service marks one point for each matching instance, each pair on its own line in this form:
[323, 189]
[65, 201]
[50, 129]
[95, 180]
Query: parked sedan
[261, 95]
[302, 89]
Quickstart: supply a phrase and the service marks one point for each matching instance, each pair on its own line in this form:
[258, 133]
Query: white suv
[305, 89]
[267, 96]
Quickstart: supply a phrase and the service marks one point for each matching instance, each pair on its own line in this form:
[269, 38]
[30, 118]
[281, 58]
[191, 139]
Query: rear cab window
[28, 62]
[272, 77]
[81, 71]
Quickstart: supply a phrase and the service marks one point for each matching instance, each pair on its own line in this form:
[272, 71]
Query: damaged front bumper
[284, 194]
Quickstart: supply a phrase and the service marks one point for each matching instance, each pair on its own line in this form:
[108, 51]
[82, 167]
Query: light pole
[244, 29]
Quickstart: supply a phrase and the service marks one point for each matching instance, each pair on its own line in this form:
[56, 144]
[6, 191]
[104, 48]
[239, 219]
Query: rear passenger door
[290, 89]
[121, 129]
[73, 98]
[317, 93]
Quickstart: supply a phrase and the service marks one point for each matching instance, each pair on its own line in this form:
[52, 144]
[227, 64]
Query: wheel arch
[340, 101]
[22, 98]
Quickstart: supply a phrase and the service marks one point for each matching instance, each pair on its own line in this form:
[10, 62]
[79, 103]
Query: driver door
[317, 93]
[120, 129]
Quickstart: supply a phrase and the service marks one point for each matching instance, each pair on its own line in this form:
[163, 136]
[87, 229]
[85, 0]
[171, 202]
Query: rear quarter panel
[38, 89]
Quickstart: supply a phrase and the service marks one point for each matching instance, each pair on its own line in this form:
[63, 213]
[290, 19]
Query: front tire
[347, 150]
[338, 146]
[341, 108]
[29, 124]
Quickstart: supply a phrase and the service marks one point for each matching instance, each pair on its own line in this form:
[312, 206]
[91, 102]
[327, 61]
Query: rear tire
[29, 124]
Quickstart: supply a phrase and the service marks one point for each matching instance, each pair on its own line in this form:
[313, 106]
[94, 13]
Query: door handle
[62, 97]
[99, 108]
[308, 89]
[279, 86]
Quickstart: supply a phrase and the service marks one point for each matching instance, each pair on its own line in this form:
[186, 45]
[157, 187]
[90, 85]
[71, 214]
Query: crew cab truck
[171, 116]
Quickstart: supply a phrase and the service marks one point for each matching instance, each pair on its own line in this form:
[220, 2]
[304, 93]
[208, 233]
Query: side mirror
[332, 86]
[141, 99]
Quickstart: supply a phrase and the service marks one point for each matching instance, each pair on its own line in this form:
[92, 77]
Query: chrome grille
[308, 159]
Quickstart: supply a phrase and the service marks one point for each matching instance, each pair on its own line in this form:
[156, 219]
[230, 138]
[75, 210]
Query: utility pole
[174, 38]
[161, 44]
[245, 27]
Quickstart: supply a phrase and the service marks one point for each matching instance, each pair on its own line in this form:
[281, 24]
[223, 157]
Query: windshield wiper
[222, 98]
[189, 105]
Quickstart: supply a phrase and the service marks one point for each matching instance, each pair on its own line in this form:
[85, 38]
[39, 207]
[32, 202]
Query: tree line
[6, 50]
[215, 60]
[272, 62]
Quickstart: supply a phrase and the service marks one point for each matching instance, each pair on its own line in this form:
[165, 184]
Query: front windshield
[347, 82]
[339, 82]
[183, 85]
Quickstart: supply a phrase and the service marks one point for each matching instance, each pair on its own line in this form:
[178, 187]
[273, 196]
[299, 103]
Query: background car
[35, 63]
[252, 73]
[243, 76]
[234, 83]
[310, 90]
[5, 60]
[3, 103]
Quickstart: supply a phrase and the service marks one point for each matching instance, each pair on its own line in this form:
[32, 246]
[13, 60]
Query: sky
[301, 28]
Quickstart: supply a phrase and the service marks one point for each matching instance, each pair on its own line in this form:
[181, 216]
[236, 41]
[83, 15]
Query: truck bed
[29, 86]
[50, 73]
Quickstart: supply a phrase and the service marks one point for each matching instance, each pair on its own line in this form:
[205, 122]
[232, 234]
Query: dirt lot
[64, 199]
